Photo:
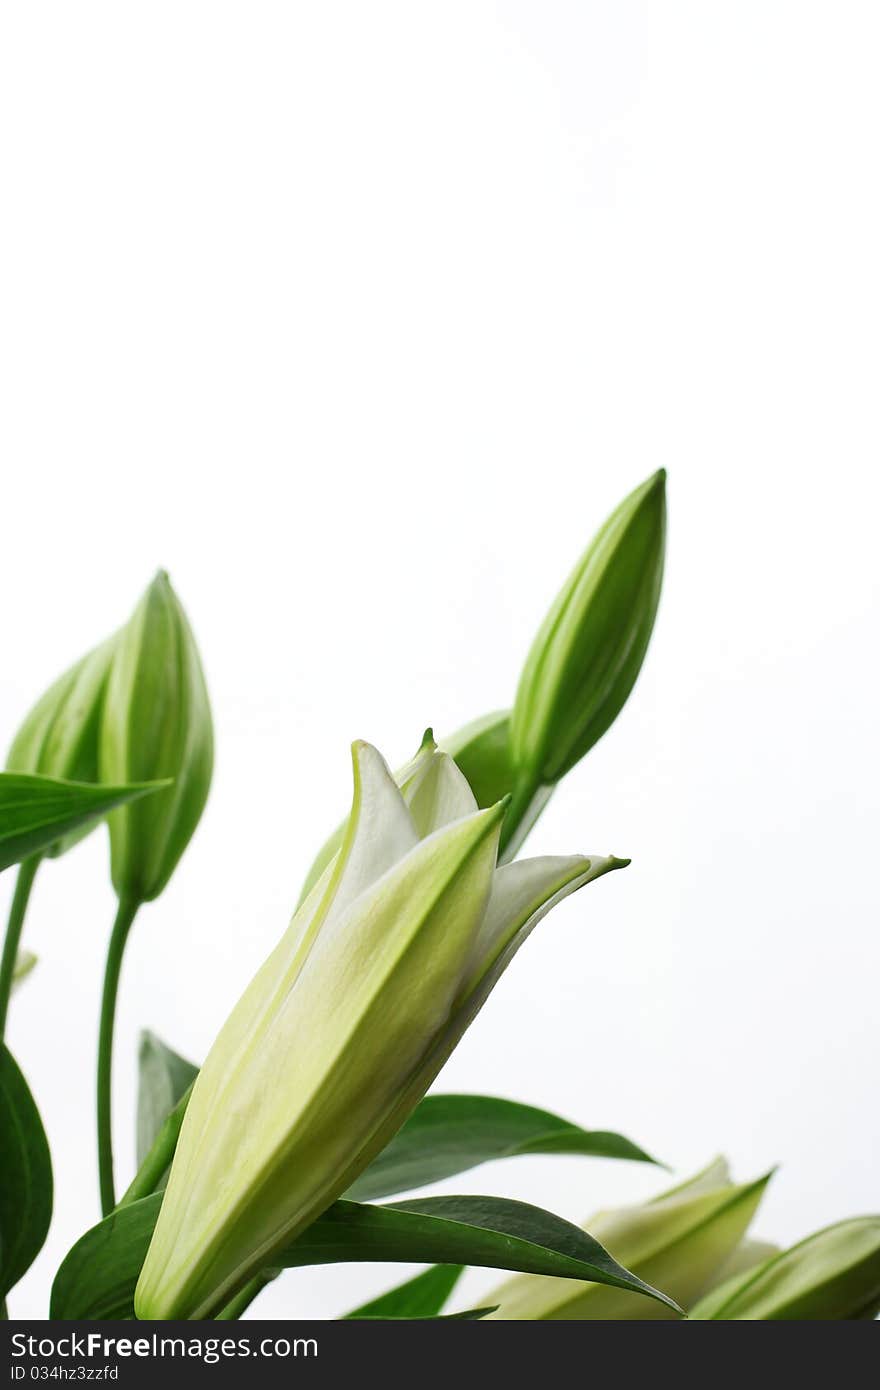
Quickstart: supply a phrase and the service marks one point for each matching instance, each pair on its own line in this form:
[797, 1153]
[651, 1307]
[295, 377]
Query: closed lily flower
[832, 1276]
[683, 1241]
[344, 1027]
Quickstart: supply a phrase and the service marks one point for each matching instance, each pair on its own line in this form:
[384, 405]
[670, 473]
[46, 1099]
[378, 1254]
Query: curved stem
[27, 872]
[124, 917]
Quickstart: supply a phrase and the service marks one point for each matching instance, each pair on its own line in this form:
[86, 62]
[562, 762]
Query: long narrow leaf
[421, 1297]
[163, 1077]
[35, 812]
[98, 1276]
[446, 1135]
[488, 1231]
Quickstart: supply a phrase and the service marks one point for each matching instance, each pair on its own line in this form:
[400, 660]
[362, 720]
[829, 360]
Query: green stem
[27, 872]
[528, 799]
[124, 917]
[242, 1301]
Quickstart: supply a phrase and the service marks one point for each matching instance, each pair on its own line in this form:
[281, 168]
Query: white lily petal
[409, 776]
[715, 1174]
[380, 830]
[523, 893]
[440, 795]
[479, 980]
[275, 974]
[406, 777]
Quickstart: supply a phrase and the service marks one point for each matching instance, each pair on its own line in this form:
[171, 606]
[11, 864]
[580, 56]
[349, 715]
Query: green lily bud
[156, 724]
[59, 738]
[832, 1276]
[344, 1027]
[681, 1239]
[589, 650]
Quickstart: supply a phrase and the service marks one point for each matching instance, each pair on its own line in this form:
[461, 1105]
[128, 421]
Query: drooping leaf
[35, 812]
[97, 1277]
[163, 1077]
[25, 1175]
[487, 1231]
[422, 1297]
[446, 1135]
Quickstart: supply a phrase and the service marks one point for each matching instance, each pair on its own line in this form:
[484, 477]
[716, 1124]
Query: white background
[359, 318]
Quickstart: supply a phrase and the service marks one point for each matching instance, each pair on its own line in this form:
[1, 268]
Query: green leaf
[421, 1297]
[488, 1231]
[163, 1077]
[446, 1135]
[35, 812]
[97, 1277]
[26, 1186]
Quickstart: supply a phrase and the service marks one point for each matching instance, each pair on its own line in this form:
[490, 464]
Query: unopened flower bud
[59, 738]
[156, 724]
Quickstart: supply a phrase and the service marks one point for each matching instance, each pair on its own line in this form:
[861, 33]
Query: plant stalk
[27, 872]
[125, 915]
[242, 1301]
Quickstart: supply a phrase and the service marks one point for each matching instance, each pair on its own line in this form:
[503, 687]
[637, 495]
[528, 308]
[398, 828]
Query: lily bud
[681, 1240]
[59, 738]
[590, 648]
[832, 1276]
[480, 751]
[156, 724]
[344, 1027]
